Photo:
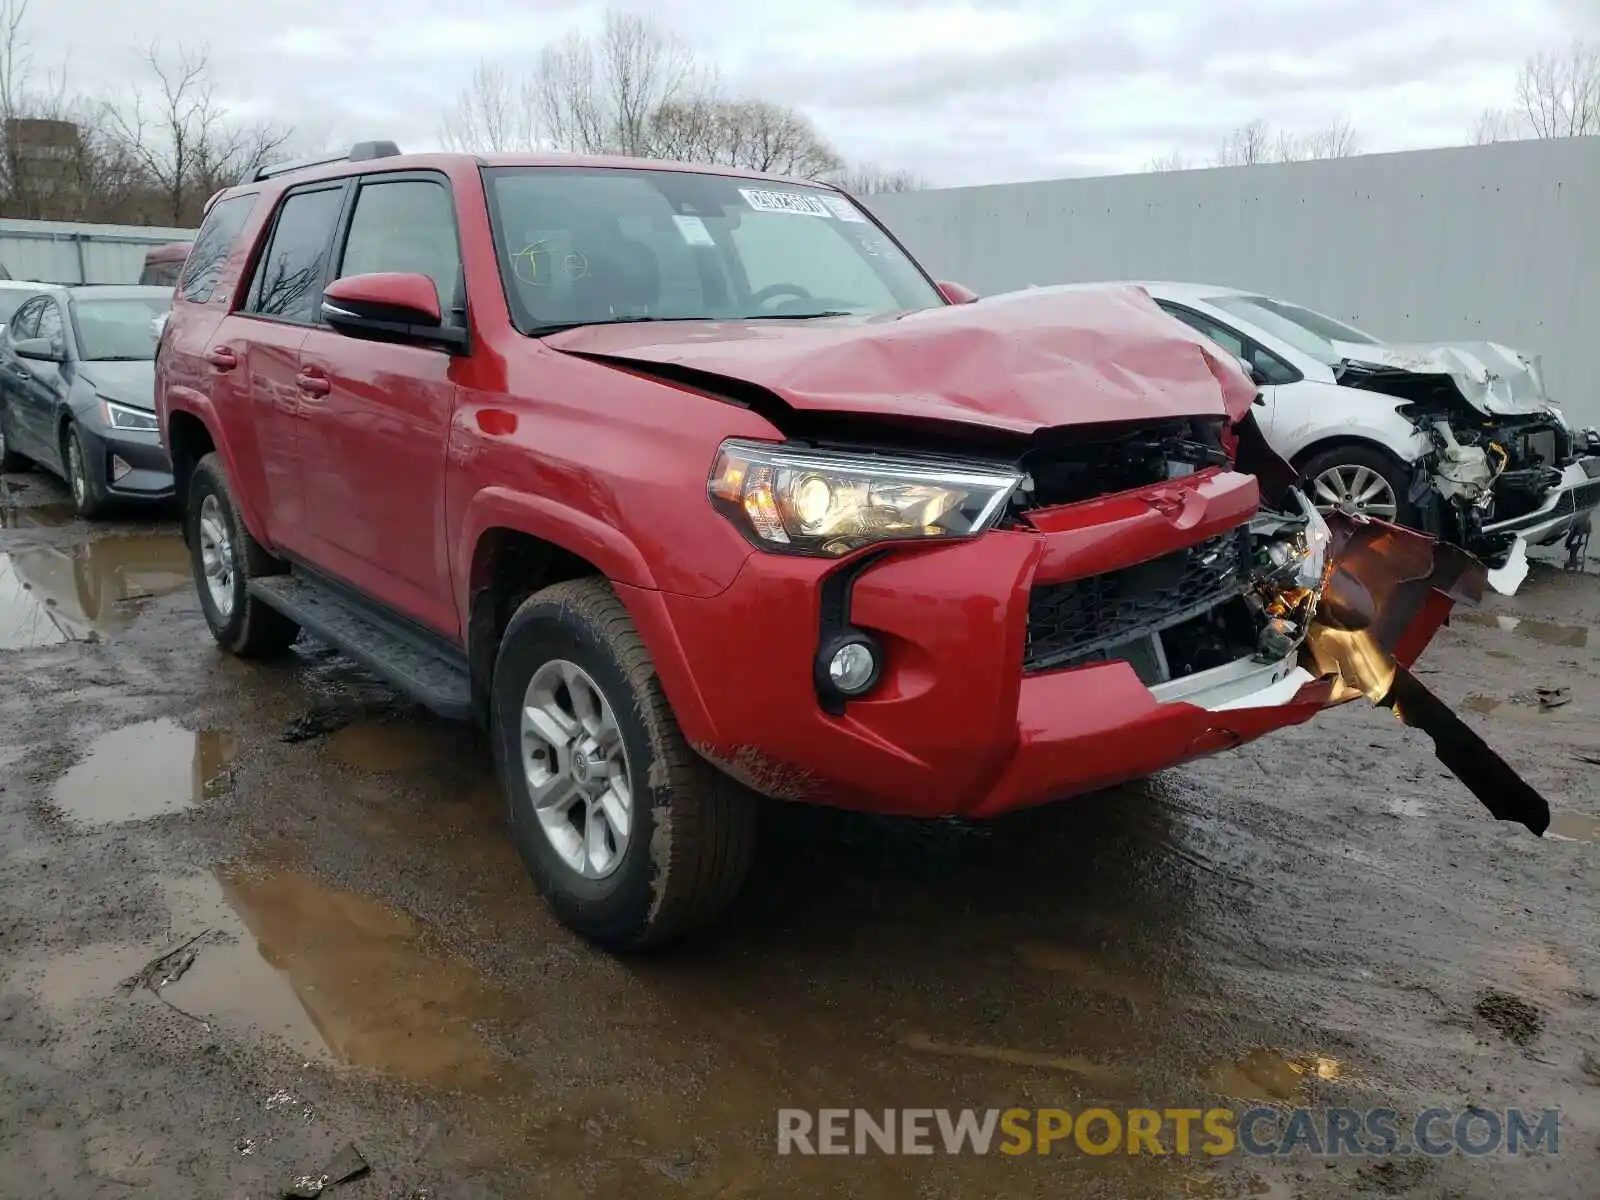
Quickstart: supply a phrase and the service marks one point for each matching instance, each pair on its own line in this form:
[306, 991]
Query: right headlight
[135, 420]
[828, 503]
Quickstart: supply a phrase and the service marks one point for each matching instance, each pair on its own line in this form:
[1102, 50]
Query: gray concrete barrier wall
[75, 252]
[1496, 242]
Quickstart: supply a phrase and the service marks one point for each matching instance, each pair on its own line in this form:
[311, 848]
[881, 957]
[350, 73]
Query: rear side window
[203, 268]
[405, 225]
[289, 277]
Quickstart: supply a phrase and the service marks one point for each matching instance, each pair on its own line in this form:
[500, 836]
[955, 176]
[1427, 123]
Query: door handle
[222, 358]
[313, 384]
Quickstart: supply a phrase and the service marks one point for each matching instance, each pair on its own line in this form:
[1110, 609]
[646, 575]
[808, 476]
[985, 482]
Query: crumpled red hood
[1023, 361]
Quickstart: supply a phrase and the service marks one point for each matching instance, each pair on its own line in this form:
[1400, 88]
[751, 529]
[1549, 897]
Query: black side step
[433, 674]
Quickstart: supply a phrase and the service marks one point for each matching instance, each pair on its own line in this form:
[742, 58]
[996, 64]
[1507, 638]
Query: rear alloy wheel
[632, 837]
[225, 559]
[87, 498]
[1361, 481]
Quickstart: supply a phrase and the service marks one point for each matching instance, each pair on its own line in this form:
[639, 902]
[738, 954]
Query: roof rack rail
[360, 152]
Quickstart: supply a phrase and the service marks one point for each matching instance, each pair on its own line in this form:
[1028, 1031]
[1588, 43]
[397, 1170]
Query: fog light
[853, 668]
[118, 469]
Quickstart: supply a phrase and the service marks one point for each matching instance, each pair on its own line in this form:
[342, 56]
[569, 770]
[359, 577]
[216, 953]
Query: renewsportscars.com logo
[1258, 1132]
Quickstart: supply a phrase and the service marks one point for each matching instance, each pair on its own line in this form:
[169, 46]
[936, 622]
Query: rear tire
[225, 559]
[1354, 470]
[571, 653]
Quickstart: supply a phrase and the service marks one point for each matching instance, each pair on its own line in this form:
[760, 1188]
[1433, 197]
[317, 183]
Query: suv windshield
[122, 330]
[1305, 330]
[597, 245]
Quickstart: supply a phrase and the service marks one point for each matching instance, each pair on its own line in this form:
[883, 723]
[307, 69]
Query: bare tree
[1259, 142]
[762, 136]
[1558, 91]
[689, 129]
[869, 179]
[1175, 161]
[495, 113]
[599, 95]
[1495, 125]
[1246, 145]
[1336, 140]
[184, 139]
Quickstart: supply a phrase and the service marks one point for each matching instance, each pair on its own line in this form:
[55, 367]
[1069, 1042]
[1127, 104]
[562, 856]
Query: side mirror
[956, 293]
[390, 307]
[40, 349]
[1256, 374]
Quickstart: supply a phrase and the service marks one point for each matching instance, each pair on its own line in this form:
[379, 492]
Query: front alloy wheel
[576, 768]
[1352, 488]
[632, 837]
[86, 497]
[1361, 479]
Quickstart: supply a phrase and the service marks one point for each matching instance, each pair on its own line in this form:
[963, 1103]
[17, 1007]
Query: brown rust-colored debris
[1383, 595]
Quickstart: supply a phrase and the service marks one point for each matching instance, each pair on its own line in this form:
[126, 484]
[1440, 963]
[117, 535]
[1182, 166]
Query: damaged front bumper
[1076, 646]
[1568, 505]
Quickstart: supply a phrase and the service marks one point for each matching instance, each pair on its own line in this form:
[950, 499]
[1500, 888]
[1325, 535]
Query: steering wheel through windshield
[775, 290]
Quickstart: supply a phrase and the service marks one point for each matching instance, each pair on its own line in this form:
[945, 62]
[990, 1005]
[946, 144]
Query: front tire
[225, 559]
[632, 838]
[88, 497]
[1362, 479]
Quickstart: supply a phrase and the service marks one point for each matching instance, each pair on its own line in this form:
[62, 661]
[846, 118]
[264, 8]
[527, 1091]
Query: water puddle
[1548, 632]
[37, 516]
[1085, 972]
[336, 975]
[392, 748]
[142, 771]
[1268, 1075]
[1072, 1064]
[1574, 827]
[1535, 706]
[50, 595]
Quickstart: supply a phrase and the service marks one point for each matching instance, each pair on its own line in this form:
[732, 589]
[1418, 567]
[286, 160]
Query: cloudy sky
[985, 91]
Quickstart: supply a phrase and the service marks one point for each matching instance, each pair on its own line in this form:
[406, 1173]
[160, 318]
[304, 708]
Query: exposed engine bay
[1489, 463]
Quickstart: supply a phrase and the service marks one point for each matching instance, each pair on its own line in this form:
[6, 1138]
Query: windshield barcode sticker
[693, 231]
[785, 202]
[844, 210]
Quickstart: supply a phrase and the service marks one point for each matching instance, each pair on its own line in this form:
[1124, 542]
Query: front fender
[539, 516]
[1301, 423]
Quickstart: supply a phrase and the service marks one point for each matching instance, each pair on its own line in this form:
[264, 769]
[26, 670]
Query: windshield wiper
[123, 358]
[828, 312]
[560, 326]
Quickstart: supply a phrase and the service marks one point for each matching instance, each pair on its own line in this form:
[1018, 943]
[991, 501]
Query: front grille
[1077, 622]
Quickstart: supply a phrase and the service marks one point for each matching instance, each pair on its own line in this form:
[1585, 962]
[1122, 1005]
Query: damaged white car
[1456, 439]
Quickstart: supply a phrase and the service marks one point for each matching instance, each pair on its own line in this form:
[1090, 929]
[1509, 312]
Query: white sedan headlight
[826, 503]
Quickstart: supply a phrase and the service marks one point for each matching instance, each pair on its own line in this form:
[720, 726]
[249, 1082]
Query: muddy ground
[1325, 917]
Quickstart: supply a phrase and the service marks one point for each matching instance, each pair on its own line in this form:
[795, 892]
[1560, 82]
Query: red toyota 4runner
[691, 485]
